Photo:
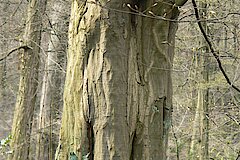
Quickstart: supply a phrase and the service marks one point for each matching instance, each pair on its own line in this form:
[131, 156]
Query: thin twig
[13, 14]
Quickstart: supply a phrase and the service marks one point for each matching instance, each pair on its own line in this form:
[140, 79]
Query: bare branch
[13, 50]
[211, 48]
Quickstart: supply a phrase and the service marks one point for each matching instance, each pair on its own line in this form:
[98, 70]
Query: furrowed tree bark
[24, 109]
[118, 89]
[51, 97]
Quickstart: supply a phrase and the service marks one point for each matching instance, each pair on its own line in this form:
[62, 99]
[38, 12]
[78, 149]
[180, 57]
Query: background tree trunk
[21, 129]
[3, 74]
[118, 91]
[51, 96]
[200, 134]
[3, 78]
[206, 93]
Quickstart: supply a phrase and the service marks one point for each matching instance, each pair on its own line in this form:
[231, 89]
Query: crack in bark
[139, 77]
[90, 136]
[90, 133]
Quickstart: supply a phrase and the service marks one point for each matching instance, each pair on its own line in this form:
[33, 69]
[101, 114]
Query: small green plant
[85, 157]
[73, 156]
[4, 145]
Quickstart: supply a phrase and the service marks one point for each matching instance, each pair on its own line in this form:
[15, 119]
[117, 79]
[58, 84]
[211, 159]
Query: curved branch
[13, 50]
[211, 47]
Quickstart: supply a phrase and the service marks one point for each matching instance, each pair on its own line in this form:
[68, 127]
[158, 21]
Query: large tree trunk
[26, 99]
[118, 90]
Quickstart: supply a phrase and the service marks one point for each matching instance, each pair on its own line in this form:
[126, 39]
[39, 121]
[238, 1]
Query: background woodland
[206, 109]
